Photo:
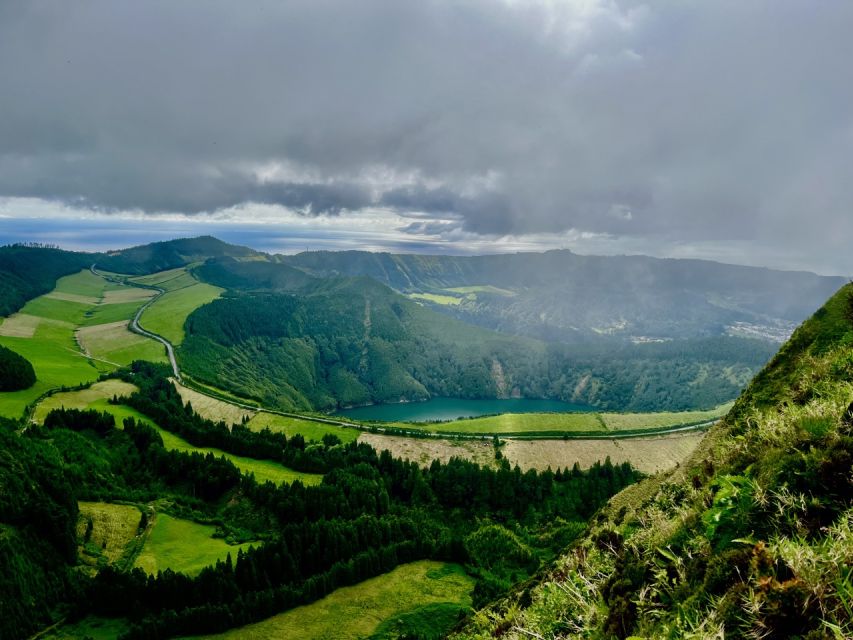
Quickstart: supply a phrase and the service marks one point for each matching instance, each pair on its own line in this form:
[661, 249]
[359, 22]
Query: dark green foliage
[160, 256]
[38, 514]
[16, 372]
[27, 272]
[343, 342]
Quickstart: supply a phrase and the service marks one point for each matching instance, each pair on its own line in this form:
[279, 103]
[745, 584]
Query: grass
[166, 317]
[309, 429]
[421, 596]
[436, 298]
[623, 421]
[212, 408]
[114, 527]
[183, 546]
[89, 627]
[487, 288]
[109, 313]
[97, 397]
[44, 333]
[116, 343]
[168, 280]
[92, 398]
[518, 423]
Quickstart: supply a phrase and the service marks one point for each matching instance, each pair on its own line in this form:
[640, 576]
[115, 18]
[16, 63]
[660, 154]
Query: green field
[309, 429]
[184, 546]
[624, 421]
[436, 298]
[516, 423]
[184, 294]
[114, 527]
[486, 288]
[44, 333]
[419, 599]
[168, 280]
[97, 397]
[117, 344]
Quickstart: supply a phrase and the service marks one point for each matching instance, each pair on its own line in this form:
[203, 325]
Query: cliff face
[752, 538]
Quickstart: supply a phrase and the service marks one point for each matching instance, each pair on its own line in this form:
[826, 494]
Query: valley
[239, 460]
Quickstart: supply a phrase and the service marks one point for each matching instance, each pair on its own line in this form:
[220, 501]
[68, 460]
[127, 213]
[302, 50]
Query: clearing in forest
[184, 546]
[114, 342]
[213, 408]
[104, 531]
[419, 599]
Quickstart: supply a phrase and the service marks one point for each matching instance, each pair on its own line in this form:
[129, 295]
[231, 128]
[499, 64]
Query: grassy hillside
[752, 537]
[160, 256]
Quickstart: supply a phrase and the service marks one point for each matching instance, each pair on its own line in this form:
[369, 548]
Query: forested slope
[308, 343]
[27, 272]
[171, 254]
[752, 538]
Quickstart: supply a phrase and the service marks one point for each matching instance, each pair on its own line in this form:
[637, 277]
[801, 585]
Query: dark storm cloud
[690, 120]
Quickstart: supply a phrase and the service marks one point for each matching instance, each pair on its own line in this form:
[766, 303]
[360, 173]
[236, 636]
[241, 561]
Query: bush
[16, 372]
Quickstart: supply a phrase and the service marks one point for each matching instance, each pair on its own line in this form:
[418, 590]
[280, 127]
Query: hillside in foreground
[752, 538]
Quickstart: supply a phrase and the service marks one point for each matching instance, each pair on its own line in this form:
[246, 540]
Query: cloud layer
[667, 122]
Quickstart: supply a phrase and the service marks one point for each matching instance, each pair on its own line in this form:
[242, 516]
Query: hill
[161, 256]
[292, 341]
[752, 538]
[27, 272]
[563, 296]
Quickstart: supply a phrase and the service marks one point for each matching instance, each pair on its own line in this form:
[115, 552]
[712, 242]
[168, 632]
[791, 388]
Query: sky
[720, 130]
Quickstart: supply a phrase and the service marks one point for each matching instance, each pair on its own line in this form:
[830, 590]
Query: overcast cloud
[666, 126]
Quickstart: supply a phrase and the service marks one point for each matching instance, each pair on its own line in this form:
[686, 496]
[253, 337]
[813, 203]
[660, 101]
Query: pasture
[94, 397]
[624, 421]
[113, 529]
[92, 627]
[647, 454]
[308, 429]
[484, 288]
[436, 298]
[417, 599]
[117, 344]
[212, 408]
[183, 545]
[519, 423]
[44, 333]
[184, 294]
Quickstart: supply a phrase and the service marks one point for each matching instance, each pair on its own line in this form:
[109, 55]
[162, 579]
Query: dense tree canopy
[16, 372]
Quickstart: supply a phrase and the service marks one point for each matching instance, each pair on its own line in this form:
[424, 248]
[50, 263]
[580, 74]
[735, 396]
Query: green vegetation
[89, 627]
[116, 344]
[16, 372]
[308, 429]
[343, 342]
[519, 423]
[751, 537]
[183, 545]
[94, 397]
[420, 599]
[167, 315]
[30, 271]
[487, 288]
[105, 532]
[160, 256]
[435, 298]
[631, 421]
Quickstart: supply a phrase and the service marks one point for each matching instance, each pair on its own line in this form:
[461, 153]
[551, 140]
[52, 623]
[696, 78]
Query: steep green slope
[752, 538]
[298, 342]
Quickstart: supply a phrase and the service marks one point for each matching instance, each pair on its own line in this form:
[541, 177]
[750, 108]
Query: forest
[370, 513]
[16, 372]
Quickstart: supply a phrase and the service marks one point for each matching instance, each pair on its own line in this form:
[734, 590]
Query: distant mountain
[562, 296]
[160, 256]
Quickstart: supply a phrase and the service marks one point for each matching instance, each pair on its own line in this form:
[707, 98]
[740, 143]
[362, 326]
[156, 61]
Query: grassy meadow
[309, 429]
[624, 421]
[45, 330]
[518, 423]
[183, 545]
[114, 527]
[418, 599]
[213, 408]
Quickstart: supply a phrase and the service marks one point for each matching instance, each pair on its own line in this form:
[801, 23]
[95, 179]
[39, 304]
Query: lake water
[452, 408]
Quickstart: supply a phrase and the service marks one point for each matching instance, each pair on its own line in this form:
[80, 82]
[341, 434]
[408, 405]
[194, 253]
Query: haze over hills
[560, 295]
